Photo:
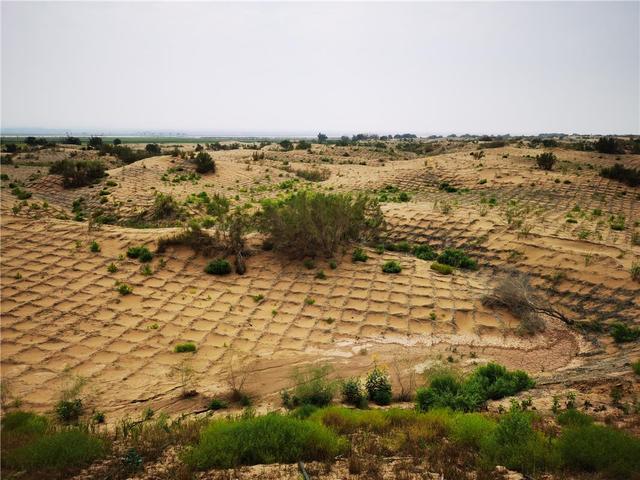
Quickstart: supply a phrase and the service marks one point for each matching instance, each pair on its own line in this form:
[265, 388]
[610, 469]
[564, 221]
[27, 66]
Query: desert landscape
[319, 240]
[82, 310]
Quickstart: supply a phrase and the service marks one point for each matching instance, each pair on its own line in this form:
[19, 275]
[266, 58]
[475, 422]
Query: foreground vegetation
[448, 432]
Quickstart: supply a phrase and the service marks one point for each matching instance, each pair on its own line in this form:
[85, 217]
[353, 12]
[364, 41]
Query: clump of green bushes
[312, 387]
[78, 173]
[489, 382]
[306, 224]
[391, 266]
[31, 443]
[142, 253]
[627, 175]
[546, 160]
[221, 266]
[185, 347]
[204, 163]
[457, 258]
[314, 174]
[267, 439]
[622, 333]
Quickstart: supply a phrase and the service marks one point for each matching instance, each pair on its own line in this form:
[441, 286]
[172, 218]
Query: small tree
[95, 142]
[286, 145]
[322, 138]
[546, 160]
[607, 145]
[117, 141]
[153, 149]
[204, 163]
[378, 386]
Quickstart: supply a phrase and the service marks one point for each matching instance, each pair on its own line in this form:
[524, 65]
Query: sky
[338, 68]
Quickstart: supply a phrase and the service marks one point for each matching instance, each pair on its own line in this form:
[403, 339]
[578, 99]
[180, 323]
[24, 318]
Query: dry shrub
[194, 237]
[515, 293]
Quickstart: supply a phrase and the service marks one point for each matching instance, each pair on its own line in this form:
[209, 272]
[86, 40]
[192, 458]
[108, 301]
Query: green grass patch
[267, 439]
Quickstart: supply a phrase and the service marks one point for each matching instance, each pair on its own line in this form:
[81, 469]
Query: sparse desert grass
[185, 347]
[441, 268]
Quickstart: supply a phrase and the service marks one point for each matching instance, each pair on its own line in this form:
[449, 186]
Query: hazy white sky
[331, 67]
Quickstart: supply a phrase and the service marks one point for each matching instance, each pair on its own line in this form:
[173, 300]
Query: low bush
[607, 145]
[94, 247]
[185, 347]
[312, 387]
[629, 176]
[204, 163]
[470, 430]
[595, 448]
[306, 223]
[314, 174]
[217, 404]
[152, 149]
[391, 267]
[573, 418]
[440, 268]
[424, 252]
[378, 386]
[546, 160]
[142, 253]
[353, 393]
[78, 173]
[457, 258]
[515, 444]
[220, 266]
[489, 382]
[124, 289]
[61, 450]
[359, 255]
[69, 410]
[635, 366]
[622, 333]
[266, 439]
[165, 207]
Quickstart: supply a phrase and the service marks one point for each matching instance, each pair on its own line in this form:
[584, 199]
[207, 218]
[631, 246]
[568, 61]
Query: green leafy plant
[441, 268]
[185, 347]
[391, 266]
[378, 386]
[359, 255]
[218, 267]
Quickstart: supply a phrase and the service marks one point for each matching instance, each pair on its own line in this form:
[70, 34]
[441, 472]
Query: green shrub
[218, 267]
[314, 174]
[546, 160]
[69, 410]
[440, 268]
[94, 247]
[488, 382]
[185, 347]
[378, 386]
[165, 207]
[424, 252]
[204, 163]
[622, 333]
[312, 387]
[61, 450]
[635, 366]
[217, 404]
[311, 223]
[141, 253]
[21, 193]
[266, 439]
[391, 267]
[628, 176]
[20, 423]
[124, 289]
[469, 430]
[594, 448]
[607, 145]
[353, 394]
[457, 258]
[151, 148]
[514, 444]
[359, 255]
[78, 173]
[574, 418]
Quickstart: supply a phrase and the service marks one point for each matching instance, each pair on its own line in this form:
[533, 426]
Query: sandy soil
[61, 312]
